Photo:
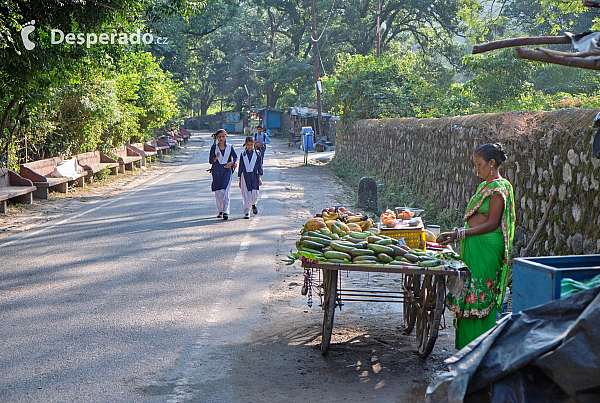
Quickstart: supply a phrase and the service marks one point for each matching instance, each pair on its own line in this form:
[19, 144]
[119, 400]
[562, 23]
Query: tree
[35, 81]
[365, 87]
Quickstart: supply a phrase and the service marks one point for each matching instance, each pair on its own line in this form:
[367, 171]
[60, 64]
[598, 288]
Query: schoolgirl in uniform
[250, 175]
[261, 140]
[222, 157]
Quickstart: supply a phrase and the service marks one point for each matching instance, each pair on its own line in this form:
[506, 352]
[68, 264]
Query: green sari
[486, 255]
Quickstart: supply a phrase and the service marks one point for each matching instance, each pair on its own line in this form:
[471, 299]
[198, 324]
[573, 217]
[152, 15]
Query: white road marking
[240, 257]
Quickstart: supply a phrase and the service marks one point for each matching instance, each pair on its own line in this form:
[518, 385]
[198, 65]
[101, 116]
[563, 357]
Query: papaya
[366, 224]
[429, 236]
[329, 223]
[440, 238]
[354, 227]
[314, 224]
[344, 227]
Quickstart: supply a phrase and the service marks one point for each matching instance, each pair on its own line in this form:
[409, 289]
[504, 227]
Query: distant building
[232, 121]
[297, 117]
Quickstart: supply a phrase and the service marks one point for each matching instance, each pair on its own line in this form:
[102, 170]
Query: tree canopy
[61, 98]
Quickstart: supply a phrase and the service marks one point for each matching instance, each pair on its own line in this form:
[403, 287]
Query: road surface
[146, 296]
[125, 299]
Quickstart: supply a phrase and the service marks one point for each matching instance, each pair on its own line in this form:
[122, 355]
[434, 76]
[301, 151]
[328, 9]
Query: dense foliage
[59, 98]
[64, 98]
[369, 87]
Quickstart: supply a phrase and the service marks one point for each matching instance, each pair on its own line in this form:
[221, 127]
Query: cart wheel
[412, 283]
[330, 294]
[433, 295]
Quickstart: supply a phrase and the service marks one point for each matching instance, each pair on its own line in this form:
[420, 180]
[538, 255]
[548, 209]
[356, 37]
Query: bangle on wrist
[460, 233]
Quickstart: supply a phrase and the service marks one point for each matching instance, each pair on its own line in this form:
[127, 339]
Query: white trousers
[249, 198]
[222, 198]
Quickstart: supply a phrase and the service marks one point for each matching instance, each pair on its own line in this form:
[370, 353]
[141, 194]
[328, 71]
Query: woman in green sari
[485, 243]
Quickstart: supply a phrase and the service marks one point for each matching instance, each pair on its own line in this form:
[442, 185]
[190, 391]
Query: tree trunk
[205, 103]
[272, 96]
[3, 124]
[4, 120]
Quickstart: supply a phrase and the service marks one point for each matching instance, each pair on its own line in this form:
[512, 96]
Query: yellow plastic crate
[414, 238]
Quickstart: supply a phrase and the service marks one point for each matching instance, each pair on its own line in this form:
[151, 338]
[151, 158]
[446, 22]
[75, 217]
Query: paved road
[128, 299]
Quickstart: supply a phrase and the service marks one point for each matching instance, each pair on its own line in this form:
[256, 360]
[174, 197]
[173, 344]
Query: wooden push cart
[422, 295]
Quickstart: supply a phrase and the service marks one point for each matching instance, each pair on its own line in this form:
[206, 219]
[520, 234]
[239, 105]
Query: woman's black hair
[491, 151]
[215, 134]
[249, 139]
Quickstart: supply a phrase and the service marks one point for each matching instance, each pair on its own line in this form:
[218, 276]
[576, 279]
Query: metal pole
[317, 82]
[378, 28]
[248, 91]
[248, 65]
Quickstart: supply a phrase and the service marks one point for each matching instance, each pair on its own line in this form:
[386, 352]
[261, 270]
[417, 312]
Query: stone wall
[205, 122]
[546, 151]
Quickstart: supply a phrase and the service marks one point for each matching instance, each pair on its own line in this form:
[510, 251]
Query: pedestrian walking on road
[261, 140]
[224, 161]
[250, 175]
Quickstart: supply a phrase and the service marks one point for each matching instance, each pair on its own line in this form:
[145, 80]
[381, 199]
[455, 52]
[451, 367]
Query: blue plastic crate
[536, 280]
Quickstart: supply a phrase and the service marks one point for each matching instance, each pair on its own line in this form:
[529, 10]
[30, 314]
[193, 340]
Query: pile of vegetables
[337, 243]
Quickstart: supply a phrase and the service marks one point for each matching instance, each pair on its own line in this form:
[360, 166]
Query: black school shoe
[220, 215]
[247, 215]
[254, 209]
[225, 216]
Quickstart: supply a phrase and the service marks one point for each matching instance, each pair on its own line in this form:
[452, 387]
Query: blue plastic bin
[307, 138]
[536, 280]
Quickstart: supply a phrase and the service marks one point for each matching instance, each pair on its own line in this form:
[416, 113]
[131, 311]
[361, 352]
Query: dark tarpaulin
[549, 353]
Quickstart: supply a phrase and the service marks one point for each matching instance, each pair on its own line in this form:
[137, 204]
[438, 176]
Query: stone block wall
[205, 122]
[546, 151]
